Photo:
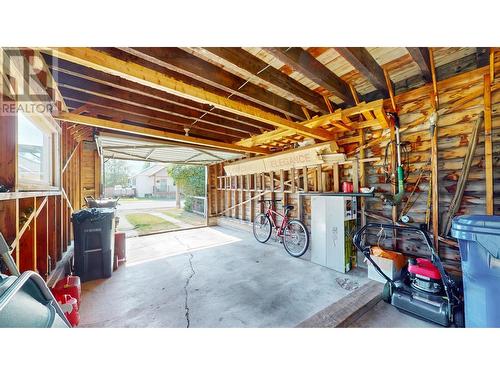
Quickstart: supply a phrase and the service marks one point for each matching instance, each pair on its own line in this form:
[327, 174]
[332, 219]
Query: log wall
[461, 100]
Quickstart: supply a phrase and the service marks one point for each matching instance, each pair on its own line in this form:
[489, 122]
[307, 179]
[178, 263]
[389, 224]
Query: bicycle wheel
[296, 238]
[262, 228]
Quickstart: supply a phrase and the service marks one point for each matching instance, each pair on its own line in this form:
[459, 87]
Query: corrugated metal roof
[130, 148]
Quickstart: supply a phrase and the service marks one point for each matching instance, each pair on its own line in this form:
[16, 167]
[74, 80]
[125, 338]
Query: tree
[116, 172]
[190, 179]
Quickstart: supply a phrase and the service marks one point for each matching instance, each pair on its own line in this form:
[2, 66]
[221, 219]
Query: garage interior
[298, 126]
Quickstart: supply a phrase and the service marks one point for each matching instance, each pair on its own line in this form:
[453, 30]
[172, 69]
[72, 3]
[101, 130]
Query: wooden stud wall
[37, 224]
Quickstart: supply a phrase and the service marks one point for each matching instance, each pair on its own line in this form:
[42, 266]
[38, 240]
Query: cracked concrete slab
[238, 282]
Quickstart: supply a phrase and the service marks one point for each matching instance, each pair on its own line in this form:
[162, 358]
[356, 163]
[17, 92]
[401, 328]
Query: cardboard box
[388, 266]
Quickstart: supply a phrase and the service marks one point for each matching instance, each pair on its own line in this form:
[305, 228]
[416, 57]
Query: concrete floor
[211, 277]
[383, 315]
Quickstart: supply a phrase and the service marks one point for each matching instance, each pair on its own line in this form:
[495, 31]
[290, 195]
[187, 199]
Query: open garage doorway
[160, 186]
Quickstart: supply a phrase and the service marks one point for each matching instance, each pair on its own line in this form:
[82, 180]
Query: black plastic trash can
[479, 240]
[94, 243]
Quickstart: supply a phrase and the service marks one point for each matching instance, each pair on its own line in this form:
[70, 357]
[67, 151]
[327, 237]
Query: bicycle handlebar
[269, 200]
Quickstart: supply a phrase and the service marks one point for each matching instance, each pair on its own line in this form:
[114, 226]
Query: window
[35, 152]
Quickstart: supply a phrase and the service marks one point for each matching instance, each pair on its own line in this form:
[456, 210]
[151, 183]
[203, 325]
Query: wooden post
[282, 186]
[305, 179]
[434, 159]
[240, 198]
[336, 178]
[362, 175]
[355, 176]
[488, 148]
[253, 183]
[393, 186]
[319, 179]
[216, 185]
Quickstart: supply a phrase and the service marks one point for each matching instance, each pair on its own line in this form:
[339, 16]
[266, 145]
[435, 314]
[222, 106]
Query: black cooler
[94, 243]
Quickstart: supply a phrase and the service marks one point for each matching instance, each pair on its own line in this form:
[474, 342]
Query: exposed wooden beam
[390, 90]
[169, 112]
[328, 104]
[216, 134]
[492, 64]
[304, 63]
[66, 69]
[193, 67]
[364, 63]
[153, 133]
[338, 115]
[140, 74]
[435, 104]
[142, 115]
[421, 56]
[252, 64]
[41, 70]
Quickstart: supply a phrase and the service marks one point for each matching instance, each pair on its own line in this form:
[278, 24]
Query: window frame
[49, 128]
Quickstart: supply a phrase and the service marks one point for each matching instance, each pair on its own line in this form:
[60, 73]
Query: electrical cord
[405, 161]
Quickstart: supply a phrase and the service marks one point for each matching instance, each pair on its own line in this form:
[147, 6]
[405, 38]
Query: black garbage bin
[94, 243]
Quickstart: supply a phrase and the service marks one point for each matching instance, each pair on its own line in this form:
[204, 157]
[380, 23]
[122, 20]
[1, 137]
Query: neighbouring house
[155, 182]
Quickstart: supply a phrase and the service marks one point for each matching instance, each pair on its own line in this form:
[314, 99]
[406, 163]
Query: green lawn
[187, 217]
[146, 223]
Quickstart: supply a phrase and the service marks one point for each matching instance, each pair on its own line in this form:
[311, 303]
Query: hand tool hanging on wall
[462, 181]
[399, 174]
[409, 203]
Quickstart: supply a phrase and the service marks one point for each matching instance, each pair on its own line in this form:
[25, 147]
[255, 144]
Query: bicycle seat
[289, 207]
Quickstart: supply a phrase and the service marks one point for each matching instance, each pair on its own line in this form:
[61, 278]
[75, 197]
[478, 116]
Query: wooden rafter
[146, 120]
[421, 56]
[140, 74]
[179, 61]
[171, 106]
[302, 61]
[364, 63]
[390, 90]
[153, 133]
[66, 69]
[252, 64]
[113, 97]
[325, 120]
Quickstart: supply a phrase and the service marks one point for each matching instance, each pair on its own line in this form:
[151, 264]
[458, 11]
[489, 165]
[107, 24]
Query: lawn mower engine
[424, 289]
[424, 276]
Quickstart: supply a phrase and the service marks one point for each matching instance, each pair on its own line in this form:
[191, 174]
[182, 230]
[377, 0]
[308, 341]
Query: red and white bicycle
[293, 232]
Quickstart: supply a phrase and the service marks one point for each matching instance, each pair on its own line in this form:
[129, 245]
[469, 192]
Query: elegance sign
[298, 158]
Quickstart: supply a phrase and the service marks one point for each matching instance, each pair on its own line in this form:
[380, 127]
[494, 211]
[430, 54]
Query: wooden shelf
[27, 194]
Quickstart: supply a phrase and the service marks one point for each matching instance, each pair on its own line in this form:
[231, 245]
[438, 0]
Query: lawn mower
[423, 289]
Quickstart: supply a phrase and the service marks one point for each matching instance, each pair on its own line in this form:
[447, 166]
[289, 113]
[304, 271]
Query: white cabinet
[332, 220]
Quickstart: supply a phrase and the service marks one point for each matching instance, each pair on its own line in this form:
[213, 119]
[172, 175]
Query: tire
[387, 293]
[459, 317]
[262, 228]
[296, 243]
